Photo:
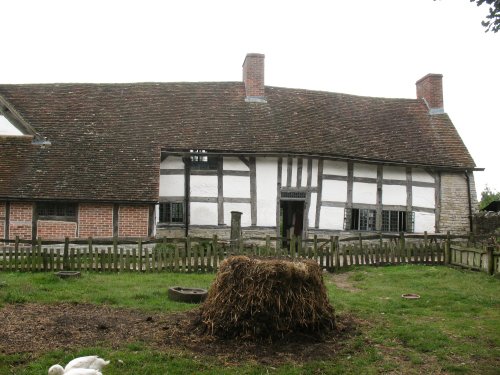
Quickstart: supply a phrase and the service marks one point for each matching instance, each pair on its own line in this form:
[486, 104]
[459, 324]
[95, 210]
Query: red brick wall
[430, 87]
[133, 221]
[253, 74]
[52, 229]
[95, 220]
[20, 220]
[2, 219]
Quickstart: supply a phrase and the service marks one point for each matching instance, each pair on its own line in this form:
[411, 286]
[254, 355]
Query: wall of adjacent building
[97, 220]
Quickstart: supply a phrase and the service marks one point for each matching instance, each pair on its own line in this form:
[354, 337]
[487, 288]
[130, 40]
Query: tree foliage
[488, 196]
[492, 21]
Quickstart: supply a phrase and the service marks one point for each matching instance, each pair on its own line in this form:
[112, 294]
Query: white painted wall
[266, 176]
[303, 182]
[172, 185]
[364, 193]
[394, 173]
[333, 190]
[338, 168]
[423, 197]
[284, 171]
[203, 213]
[418, 174]
[294, 173]
[365, 170]
[394, 194]
[425, 222]
[314, 173]
[312, 210]
[233, 164]
[236, 186]
[331, 218]
[244, 208]
[172, 162]
[204, 186]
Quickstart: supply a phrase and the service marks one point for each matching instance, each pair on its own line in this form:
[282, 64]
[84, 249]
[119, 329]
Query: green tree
[492, 21]
[488, 196]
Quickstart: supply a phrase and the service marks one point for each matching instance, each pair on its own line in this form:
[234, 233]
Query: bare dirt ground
[38, 328]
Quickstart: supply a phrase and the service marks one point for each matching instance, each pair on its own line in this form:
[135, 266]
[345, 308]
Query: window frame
[359, 214]
[403, 220]
[171, 213]
[199, 161]
[57, 211]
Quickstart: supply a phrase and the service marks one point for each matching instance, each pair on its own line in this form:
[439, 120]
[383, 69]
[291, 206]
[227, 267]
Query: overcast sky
[363, 47]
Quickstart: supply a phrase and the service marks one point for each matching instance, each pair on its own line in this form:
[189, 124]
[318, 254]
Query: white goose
[58, 370]
[89, 365]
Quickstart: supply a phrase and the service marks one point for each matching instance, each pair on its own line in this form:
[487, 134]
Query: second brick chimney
[253, 77]
[430, 88]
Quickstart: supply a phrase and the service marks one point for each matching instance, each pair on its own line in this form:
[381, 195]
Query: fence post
[447, 249]
[402, 247]
[235, 230]
[66, 254]
[337, 253]
[489, 255]
[43, 254]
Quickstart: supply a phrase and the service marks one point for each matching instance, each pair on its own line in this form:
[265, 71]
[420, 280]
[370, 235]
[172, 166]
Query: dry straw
[267, 298]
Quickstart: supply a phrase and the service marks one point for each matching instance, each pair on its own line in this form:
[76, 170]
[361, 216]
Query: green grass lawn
[453, 328]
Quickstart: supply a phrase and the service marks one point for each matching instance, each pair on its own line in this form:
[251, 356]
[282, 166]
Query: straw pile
[267, 299]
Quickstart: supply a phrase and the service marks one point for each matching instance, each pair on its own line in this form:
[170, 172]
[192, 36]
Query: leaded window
[397, 221]
[56, 210]
[363, 219]
[200, 159]
[171, 212]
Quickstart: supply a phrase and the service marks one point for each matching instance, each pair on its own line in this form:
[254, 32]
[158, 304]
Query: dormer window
[200, 159]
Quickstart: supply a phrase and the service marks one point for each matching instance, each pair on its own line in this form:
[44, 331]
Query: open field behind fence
[205, 254]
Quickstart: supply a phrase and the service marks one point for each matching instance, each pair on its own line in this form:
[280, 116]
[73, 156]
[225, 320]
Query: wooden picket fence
[205, 254]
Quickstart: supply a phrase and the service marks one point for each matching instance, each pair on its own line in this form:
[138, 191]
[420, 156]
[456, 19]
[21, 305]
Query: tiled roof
[106, 138]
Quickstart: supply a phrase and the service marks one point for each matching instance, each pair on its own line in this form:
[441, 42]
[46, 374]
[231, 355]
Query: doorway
[292, 218]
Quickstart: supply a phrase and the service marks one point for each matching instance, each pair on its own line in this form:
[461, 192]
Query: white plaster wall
[172, 162]
[331, 218]
[246, 213]
[394, 194]
[203, 213]
[204, 186]
[338, 168]
[294, 173]
[394, 173]
[314, 173]
[233, 164]
[425, 222]
[333, 190]
[364, 193]
[304, 172]
[312, 210]
[365, 170]
[172, 185]
[236, 186]
[423, 197]
[418, 174]
[284, 170]
[266, 176]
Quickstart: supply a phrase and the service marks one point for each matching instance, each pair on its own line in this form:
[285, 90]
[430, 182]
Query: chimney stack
[430, 88]
[253, 77]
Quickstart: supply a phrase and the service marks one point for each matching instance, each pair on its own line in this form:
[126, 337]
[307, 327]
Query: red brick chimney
[430, 88]
[253, 77]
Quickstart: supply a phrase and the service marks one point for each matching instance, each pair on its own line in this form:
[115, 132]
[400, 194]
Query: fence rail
[193, 254]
